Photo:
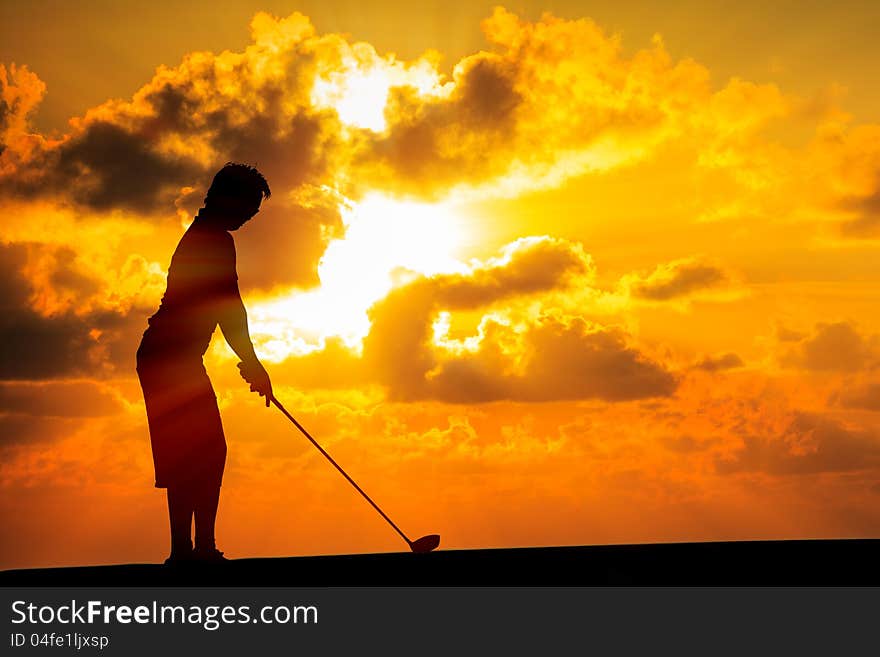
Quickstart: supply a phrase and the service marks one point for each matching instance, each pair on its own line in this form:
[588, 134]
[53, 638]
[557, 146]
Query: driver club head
[425, 543]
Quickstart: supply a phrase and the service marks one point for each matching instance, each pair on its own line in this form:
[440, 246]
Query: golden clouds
[21, 90]
[434, 144]
[547, 101]
[831, 347]
[551, 100]
[854, 177]
[859, 395]
[254, 105]
[719, 363]
[548, 356]
[808, 445]
[55, 321]
[683, 280]
[20, 93]
[83, 398]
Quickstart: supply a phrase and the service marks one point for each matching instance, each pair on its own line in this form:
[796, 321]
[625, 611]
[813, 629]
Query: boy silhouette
[186, 435]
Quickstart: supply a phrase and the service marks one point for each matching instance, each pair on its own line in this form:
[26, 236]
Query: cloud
[527, 266]
[42, 340]
[831, 347]
[432, 143]
[810, 444]
[34, 346]
[548, 357]
[858, 395]
[58, 399]
[720, 363]
[561, 359]
[785, 334]
[24, 430]
[180, 127]
[107, 167]
[866, 222]
[549, 100]
[845, 162]
[20, 93]
[682, 280]
[154, 155]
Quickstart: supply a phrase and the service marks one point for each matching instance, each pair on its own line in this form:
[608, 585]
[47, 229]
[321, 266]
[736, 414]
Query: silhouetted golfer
[189, 449]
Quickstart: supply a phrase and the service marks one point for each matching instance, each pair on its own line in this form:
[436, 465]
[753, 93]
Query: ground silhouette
[843, 562]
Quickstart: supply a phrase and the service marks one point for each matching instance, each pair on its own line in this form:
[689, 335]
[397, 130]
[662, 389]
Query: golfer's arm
[234, 325]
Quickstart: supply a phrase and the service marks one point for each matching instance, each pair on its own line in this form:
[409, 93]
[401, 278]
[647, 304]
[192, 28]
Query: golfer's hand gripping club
[255, 374]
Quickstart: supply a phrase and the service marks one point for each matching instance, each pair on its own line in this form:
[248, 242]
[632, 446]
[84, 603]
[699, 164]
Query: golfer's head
[235, 194]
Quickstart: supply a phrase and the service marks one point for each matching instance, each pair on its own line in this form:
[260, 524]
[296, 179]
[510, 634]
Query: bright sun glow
[359, 89]
[383, 240]
[358, 97]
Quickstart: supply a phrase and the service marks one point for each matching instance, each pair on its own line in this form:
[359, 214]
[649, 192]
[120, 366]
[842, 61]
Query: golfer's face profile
[239, 211]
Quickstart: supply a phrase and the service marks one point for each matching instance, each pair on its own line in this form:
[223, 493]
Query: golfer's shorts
[189, 448]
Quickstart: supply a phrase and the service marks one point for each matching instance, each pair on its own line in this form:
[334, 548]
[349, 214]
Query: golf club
[423, 544]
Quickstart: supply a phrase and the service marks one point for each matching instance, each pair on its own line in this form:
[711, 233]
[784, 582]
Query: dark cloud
[561, 360]
[832, 347]
[486, 93]
[433, 144]
[67, 279]
[397, 346]
[530, 265]
[866, 223]
[108, 167]
[179, 128]
[719, 363]
[104, 166]
[853, 178]
[573, 360]
[858, 395]
[37, 346]
[553, 358]
[16, 430]
[810, 444]
[678, 279]
[158, 151]
[784, 334]
[33, 346]
[58, 399]
[122, 165]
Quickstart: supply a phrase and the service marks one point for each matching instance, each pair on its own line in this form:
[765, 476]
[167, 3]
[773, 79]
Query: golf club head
[425, 543]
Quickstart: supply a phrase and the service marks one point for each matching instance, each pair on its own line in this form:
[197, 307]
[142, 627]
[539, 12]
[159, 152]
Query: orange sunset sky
[549, 273]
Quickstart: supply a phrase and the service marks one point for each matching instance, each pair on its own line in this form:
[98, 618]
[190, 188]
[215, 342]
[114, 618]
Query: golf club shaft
[337, 466]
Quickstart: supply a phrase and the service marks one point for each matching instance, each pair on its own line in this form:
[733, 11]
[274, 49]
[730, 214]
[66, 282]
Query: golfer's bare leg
[206, 503]
[180, 514]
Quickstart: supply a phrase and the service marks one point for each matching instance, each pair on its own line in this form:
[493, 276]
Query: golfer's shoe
[212, 555]
[180, 557]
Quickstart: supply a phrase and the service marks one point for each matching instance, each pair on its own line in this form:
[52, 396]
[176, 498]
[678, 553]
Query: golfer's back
[200, 278]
